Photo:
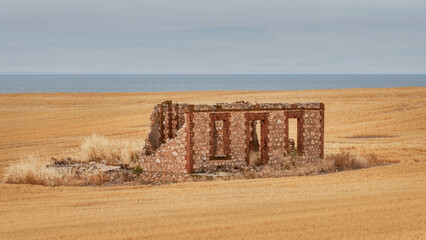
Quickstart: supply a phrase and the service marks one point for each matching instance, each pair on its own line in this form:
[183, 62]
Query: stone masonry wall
[203, 138]
[238, 138]
[166, 120]
[204, 159]
[178, 117]
[169, 157]
[201, 148]
[152, 141]
[277, 136]
[312, 135]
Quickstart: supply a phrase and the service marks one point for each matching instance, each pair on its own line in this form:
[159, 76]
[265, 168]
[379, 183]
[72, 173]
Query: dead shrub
[373, 159]
[348, 161]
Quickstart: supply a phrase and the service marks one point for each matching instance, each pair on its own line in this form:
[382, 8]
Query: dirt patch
[371, 136]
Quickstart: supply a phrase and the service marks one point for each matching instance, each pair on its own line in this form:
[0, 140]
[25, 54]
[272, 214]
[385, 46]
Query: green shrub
[138, 170]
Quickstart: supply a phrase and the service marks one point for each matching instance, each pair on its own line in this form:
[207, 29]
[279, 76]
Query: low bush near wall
[303, 166]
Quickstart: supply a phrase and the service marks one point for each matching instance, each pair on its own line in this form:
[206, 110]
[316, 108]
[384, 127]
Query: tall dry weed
[114, 152]
[33, 170]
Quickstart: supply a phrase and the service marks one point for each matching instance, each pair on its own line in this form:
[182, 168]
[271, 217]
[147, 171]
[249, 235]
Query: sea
[51, 83]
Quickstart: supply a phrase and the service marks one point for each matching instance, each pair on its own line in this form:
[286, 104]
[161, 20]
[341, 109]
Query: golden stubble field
[387, 202]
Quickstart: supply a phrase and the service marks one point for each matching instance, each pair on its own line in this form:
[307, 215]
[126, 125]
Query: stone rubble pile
[99, 173]
[94, 172]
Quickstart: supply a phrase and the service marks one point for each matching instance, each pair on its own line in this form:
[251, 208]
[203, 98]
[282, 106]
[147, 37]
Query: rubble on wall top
[245, 106]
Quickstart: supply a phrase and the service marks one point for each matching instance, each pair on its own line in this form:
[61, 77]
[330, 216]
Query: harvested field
[381, 202]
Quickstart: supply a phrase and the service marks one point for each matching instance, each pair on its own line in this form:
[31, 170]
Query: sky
[213, 37]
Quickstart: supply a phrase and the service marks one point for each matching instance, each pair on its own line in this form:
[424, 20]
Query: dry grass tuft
[33, 170]
[114, 152]
[347, 161]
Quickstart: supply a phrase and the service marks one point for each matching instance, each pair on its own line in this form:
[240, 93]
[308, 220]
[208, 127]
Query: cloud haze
[196, 36]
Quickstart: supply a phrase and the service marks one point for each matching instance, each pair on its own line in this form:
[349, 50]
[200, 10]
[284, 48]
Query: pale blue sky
[221, 36]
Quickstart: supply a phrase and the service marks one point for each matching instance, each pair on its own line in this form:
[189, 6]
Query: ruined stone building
[187, 138]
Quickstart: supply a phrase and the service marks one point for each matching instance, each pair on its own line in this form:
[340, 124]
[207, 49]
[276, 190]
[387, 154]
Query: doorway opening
[293, 136]
[255, 143]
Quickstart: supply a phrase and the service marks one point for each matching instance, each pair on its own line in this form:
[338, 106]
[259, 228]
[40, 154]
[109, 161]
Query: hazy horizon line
[67, 73]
